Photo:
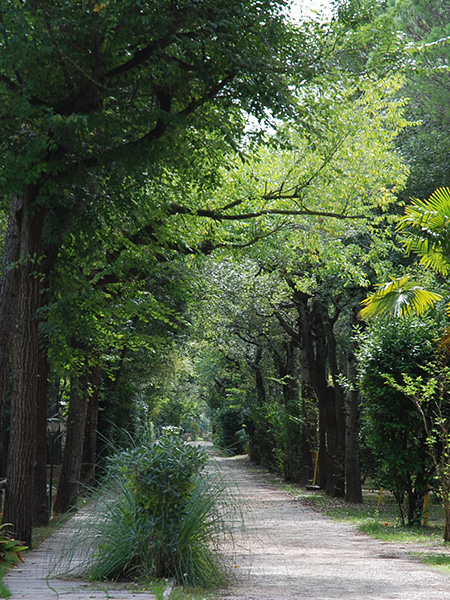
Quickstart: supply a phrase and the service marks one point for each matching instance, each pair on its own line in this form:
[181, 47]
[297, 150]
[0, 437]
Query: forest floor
[290, 551]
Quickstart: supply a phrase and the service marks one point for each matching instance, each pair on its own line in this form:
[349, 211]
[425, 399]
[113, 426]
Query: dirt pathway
[291, 552]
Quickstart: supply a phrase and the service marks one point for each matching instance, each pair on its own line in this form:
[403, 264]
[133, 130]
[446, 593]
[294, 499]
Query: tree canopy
[156, 152]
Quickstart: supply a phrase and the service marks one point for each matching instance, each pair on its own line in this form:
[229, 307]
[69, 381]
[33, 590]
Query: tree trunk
[8, 314]
[291, 395]
[316, 353]
[41, 513]
[23, 448]
[339, 453]
[310, 439]
[353, 491]
[259, 379]
[90, 433]
[69, 483]
[445, 487]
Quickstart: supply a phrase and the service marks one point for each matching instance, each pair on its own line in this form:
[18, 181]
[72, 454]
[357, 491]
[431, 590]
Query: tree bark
[316, 341]
[259, 378]
[90, 434]
[310, 439]
[69, 483]
[353, 491]
[8, 313]
[291, 396]
[23, 448]
[314, 362]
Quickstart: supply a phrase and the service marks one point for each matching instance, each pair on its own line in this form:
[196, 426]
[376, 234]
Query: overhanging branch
[177, 209]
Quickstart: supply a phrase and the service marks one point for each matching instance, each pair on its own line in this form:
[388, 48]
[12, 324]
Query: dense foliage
[393, 428]
[113, 129]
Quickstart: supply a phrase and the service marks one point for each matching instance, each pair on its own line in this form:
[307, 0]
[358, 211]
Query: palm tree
[426, 224]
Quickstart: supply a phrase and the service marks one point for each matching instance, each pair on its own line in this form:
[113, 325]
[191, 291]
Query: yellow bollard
[379, 498]
[425, 508]
[315, 468]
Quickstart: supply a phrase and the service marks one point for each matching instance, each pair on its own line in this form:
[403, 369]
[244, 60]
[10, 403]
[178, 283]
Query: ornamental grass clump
[158, 514]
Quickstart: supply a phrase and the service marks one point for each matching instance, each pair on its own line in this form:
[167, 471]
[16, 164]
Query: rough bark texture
[69, 483]
[291, 397]
[8, 312]
[353, 492]
[318, 346]
[310, 440]
[90, 433]
[259, 378]
[23, 436]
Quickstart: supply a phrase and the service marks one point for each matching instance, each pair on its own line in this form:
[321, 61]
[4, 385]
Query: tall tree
[93, 89]
[426, 147]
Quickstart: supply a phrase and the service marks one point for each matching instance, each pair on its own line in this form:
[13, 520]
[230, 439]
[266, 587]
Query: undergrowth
[4, 568]
[158, 514]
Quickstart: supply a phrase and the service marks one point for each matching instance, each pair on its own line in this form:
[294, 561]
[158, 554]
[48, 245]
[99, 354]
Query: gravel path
[291, 552]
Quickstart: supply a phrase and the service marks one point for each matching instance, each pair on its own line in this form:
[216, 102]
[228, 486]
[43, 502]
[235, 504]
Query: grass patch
[394, 532]
[177, 593]
[441, 561]
[4, 591]
[382, 523]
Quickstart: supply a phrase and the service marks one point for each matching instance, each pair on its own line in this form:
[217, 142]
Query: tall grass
[157, 513]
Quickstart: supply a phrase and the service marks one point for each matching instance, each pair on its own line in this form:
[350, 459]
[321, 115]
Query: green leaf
[398, 298]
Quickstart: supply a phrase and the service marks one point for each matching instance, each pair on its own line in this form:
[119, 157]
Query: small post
[426, 501]
[316, 465]
[379, 498]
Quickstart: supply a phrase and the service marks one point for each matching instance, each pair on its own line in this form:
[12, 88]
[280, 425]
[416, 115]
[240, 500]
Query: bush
[274, 432]
[157, 515]
[392, 426]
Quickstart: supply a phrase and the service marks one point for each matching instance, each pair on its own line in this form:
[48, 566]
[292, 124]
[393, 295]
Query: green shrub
[392, 426]
[10, 549]
[274, 432]
[158, 515]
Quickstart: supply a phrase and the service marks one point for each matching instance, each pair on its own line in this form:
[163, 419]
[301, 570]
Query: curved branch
[177, 209]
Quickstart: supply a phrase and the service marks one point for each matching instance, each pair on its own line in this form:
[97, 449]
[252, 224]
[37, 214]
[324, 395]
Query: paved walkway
[37, 578]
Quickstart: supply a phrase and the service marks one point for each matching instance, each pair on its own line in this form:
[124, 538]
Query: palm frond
[432, 256]
[427, 227]
[398, 298]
